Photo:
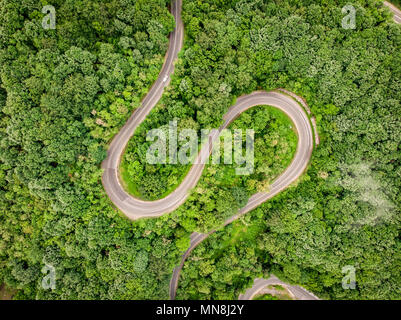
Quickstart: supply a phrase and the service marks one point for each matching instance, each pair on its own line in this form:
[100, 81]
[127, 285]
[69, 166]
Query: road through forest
[136, 208]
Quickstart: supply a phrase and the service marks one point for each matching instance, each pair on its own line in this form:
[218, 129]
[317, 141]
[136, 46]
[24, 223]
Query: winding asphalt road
[131, 207]
[135, 208]
[296, 291]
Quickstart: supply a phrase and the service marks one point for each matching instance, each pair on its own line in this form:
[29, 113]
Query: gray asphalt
[135, 208]
[395, 10]
[290, 175]
[298, 292]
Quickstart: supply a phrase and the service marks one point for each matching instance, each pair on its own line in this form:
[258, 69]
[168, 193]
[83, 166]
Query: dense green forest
[274, 147]
[346, 209]
[266, 297]
[220, 193]
[65, 93]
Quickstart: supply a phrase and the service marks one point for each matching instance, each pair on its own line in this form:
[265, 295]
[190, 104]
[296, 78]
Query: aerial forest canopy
[65, 93]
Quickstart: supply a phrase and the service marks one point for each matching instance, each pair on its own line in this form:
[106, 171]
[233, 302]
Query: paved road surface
[290, 175]
[395, 10]
[136, 208]
[259, 284]
[298, 292]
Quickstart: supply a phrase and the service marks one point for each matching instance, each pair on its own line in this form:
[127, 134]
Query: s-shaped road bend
[135, 208]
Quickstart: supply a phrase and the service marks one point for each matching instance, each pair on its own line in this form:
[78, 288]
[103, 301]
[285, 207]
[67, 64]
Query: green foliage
[346, 209]
[266, 297]
[397, 3]
[220, 192]
[65, 93]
